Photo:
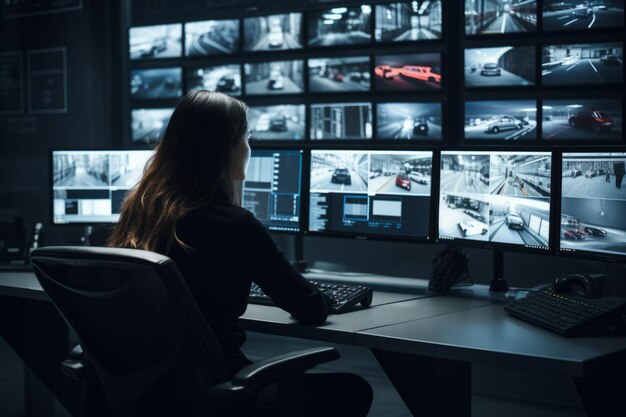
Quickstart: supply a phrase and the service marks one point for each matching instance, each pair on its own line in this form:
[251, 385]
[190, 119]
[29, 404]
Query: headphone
[449, 268]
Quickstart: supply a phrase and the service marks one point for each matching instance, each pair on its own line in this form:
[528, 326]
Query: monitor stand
[299, 263]
[498, 282]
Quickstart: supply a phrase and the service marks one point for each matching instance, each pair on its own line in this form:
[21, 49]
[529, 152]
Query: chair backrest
[141, 330]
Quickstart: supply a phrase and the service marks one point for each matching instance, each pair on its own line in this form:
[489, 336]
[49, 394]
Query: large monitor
[361, 193]
[272, 188]
[158, 41]
[496, 198]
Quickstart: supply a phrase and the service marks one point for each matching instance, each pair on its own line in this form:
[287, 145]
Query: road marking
[564, 17]
[592, 20]
[570, 22]
[503, 24]
[569, 68]
[592, 66]
[546, 72]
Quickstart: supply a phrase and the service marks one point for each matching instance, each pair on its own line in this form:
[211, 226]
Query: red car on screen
[383, 71]
[420, 73]
[593, 120]
[403, 181]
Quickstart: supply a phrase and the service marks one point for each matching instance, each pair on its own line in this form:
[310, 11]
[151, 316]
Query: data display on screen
[282, 122]
[212, 37]
[148, 125]
[415, 72]
[278, 77]
[158, 41]
[409, 121]
[587, 119]
[583, 64]
[496, 197]
[375, 193]
[329, 75]
[146, 84]
[340, 26]
[341, 121]
[275, 32]
[501, 120]
[501, 66]
[559, 15]
[408, 21]
[223, 78]
[500, 17]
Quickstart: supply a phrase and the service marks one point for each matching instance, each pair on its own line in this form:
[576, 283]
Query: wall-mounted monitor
[223, 78]
[495, 17]
[498, 197]
[500, 66]
[414, 121]
[148, 125]
[415, 72]
[335, 75]
[587, 119]
[559, 15]
[212, 37]
[371, 193]
[408, 21]
[275, 32]
[156, 83]
[501, 120]
[340, 26]
[583, 64]
[281, 122]
[277, 77]
[89, 186]
[158, 41]
[593, 202]
[341, 121]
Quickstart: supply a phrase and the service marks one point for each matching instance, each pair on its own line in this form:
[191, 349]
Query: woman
[187, 206]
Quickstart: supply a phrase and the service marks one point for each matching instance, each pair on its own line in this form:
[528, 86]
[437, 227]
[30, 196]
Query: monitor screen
[588, 119]
[371, 193]
[282, 122]
[499, 17]
[89, 186]
[158, 41]
[501, 120]
[278, 77]
[496, 197]
[583, 64]
[275, 32]
[224, 78]
[147, 84]
[501, 66]
[409, 121]
[577, 15]
[416, 72]
[336, 75]
[341, 121]
[408, 21]
[212, 37]
[593, 203]
[271, 190]
[340, 26]
[148, 125]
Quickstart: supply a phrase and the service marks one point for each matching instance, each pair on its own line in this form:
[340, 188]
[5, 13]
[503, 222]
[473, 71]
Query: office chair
[145, 347]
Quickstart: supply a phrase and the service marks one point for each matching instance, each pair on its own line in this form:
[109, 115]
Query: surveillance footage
[501, 66]
[341, 121]
[416, 72]
[278, 77]
[283, 122]
[224, 79]
[212, 37]
[156, 83]
[409, 121]
[159, 41]
[465, 173]
[488, 17]
[520, 175]
[275, 32]
[148, 125]
[340, 26]
[588, 119]
[409, 21]
[500, 120]
[582, 15]
[327, 75]
[583, 64]
[339, 171]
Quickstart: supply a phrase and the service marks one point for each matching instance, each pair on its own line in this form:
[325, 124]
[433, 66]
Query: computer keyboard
[343, 296]
[568, 315]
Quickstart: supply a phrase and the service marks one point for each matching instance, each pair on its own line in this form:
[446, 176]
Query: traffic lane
[564, 20]
[395, 130]
[595, 187]
[476, 79]
[504, 24]
[500, 232]
[479, 132]
[416, 35]
[288, 43]
[560, 129]
[261, 87]
[584, 71]
[387, 185]
[331, 39]
[324, 182]
[293, 131]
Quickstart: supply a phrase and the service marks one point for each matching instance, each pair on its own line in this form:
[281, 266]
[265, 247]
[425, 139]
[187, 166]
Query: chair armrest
[74, 366]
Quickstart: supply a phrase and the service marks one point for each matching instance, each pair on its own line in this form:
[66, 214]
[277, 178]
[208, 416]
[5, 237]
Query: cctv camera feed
[384, 193]
[282, 122]
[148, 84]
[212, 37]
[340, 26]
[408, 21]
[271, 190]
[593, 203]
[578, 15]
[89, 186]
[159, 41]
[275, 32]
[224, 79]
[330, 75]
[501, 66]
[583, 64]
[409, 121]
[148, 125]
[417, 72]
[498, 197]
[491, 17]
[500, 120]
[341, 121]
[582, 119]
[278, 77]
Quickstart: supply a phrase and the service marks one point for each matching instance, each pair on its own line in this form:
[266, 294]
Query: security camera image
[417, 72]
[409, 121]
[156, 83]
[594, 175]
[212, 37]
[159, 41]
[327, 75]
[559, 15]
[341, 121]
[492, 17]
[583, 64]
[505, 65]
[582, 119]
[224, 79]
[275, 32]
[463, 217]
[340, 26]
[339, 171]
[500, 120]
[408, 21]
[465, 173]
[148, 125]
[278, 77]
[520, 175]
[284, 122]
[400, 173]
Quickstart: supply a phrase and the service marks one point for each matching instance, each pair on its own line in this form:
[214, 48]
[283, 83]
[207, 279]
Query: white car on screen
[419, 178]
[472, 228]
[275, 38]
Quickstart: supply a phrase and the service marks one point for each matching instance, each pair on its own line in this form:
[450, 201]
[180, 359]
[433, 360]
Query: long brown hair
[193, 161]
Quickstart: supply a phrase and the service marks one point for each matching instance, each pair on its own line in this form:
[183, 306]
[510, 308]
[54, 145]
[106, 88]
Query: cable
[449, 268]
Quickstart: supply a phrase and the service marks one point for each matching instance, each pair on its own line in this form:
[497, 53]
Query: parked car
[276, 81]
[609, 60]
[420, 126]
[229, 83]
[419, 73]
[582, 12]
[341, 176]
[419, 178]
[490, 68]
[383, 71]
[275, 38]
[569, 60]
[571, 235]
[504, 123]
[593, 120]
[595, 231]
[514, 220]
[591, 173]
[278, 124]
[403, 181]
[473, 227]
